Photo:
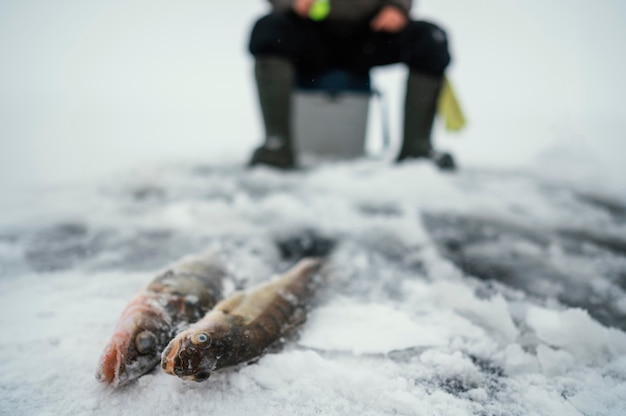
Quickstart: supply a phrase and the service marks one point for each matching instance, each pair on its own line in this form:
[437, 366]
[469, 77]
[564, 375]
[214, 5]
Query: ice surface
[491, 292]
[399, 327]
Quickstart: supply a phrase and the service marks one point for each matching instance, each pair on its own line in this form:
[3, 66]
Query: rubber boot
[274, 78]
[420, 107]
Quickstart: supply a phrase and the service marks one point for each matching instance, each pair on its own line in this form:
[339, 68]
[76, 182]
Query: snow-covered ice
[400, 327]
[500, 290]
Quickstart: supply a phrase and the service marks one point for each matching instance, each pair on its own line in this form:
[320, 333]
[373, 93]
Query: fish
[178, 296]
[242, 327]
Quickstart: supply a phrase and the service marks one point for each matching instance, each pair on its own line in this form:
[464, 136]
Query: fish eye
[145, 342]
[201, 338]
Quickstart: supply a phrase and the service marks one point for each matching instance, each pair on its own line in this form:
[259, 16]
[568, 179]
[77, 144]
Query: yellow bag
[449, 109]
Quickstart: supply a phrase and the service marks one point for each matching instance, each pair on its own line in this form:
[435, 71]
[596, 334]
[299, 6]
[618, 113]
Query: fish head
[135, 348]
[195, 353]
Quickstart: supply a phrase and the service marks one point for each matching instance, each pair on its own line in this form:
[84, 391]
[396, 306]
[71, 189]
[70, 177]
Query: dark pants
[317, 46]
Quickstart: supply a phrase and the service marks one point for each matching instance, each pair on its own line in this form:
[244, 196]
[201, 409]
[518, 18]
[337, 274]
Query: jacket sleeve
[281, 4]
[401, 4]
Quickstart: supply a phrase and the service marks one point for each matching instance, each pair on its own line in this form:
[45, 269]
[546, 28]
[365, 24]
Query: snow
[366, 328]
[396, 328]
[574, 326]
[496, 290]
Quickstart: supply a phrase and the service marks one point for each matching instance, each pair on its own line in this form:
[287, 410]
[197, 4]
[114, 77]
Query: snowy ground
[475, 293]
[500, 290]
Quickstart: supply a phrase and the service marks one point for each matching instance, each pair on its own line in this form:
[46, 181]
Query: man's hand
[302, 7]
[389, 19]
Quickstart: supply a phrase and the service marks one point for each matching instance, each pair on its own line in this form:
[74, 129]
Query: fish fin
[297, 319]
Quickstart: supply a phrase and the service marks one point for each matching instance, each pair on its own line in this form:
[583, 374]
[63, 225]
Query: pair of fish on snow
[222, 333]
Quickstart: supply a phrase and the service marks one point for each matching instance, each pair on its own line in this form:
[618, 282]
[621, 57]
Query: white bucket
[330, 125]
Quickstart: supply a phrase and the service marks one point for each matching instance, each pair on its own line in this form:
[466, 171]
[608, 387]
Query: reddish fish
[180, 295]
[241, 327]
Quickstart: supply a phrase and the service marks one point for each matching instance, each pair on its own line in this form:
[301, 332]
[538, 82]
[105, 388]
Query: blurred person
[300, 37]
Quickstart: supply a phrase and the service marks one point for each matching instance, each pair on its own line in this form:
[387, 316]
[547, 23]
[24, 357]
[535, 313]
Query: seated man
[356, 35]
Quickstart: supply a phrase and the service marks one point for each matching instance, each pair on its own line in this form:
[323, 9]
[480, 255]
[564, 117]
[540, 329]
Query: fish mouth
[169, 356]
[178, 361]
[111, 365]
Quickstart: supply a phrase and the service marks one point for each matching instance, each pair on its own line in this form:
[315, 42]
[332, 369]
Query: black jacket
[351, 10]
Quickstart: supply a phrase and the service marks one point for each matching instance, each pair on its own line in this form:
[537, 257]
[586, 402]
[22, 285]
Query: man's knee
[269, 34]
[430, 53]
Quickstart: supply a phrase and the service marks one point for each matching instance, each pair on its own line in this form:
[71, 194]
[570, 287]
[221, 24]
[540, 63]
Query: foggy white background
[90, 89]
